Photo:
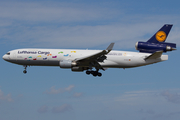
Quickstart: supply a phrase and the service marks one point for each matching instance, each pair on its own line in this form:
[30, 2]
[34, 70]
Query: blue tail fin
[157, 42]
[161, 35]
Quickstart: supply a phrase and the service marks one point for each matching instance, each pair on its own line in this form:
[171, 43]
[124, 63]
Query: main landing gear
[94, 73]
[25, 71]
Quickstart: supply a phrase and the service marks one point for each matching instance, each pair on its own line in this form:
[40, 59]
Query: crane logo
[161, 36]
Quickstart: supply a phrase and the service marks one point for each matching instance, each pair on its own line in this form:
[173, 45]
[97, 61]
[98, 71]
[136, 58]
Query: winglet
[155, 55]
[110, 47]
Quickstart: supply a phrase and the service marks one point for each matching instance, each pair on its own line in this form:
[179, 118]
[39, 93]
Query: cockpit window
[8, 53]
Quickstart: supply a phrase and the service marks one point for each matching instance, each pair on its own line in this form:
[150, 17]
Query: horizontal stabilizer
[155, 55]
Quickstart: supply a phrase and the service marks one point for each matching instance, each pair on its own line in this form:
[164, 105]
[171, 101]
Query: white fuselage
[52, 57]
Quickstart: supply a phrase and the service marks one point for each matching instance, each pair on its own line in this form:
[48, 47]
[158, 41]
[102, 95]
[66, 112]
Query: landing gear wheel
[88, 72]
[95, 74]
[99, 74]
[24, 71]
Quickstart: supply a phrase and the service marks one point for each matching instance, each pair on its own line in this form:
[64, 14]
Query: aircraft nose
[4, 57]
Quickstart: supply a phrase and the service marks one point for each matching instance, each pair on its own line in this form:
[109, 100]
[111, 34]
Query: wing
[92, 60]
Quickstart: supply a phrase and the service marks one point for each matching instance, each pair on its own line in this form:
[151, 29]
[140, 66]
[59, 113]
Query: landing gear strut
[25, 66]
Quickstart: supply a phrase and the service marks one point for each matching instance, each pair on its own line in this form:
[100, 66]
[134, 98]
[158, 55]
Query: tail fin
[157, 42]
[161, 35]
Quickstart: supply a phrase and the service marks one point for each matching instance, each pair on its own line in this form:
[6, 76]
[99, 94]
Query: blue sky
[144, 93]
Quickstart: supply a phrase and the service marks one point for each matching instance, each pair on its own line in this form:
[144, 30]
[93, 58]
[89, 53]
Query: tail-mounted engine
[157, 41]
[153, 47]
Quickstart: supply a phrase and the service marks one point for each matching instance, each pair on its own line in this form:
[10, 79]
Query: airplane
[86, 60]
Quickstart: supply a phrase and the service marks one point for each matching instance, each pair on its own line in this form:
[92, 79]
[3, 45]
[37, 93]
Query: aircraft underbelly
[124, 62]
[36, 63]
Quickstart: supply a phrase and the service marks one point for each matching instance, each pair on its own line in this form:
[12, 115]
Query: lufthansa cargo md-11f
[85, 60]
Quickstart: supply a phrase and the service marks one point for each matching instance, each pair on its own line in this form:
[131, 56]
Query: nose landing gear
[25, 66]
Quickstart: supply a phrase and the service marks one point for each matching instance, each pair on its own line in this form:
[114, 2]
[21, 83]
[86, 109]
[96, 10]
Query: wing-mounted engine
[77, 69]
[67, 64]
[70, 64]
[153, 47]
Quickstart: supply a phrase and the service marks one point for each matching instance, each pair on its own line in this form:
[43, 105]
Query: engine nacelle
[77, 69]
[70, 64]
[153, 47]
[67, 64]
